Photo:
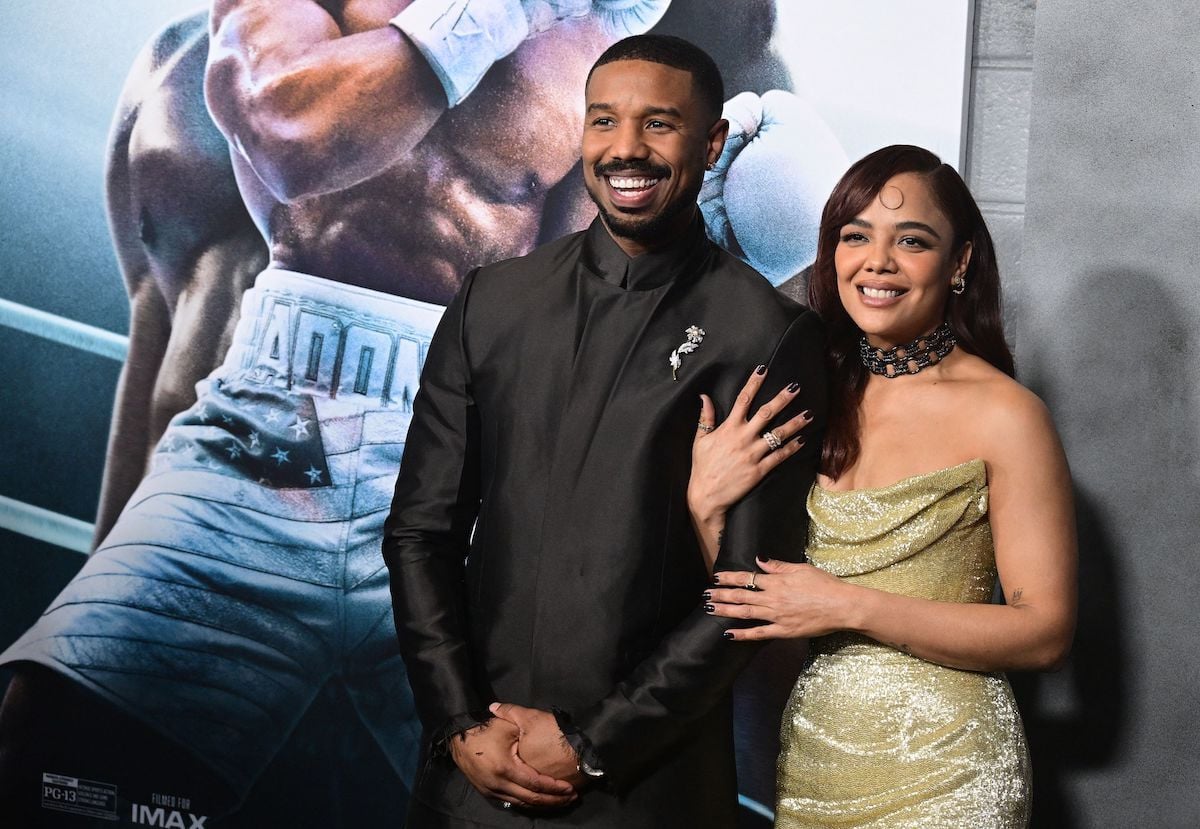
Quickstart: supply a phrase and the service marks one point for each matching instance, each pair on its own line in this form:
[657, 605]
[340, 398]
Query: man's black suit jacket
[539, 544]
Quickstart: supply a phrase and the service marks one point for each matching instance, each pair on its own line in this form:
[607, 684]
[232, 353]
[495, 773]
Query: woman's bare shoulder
[1005, 416]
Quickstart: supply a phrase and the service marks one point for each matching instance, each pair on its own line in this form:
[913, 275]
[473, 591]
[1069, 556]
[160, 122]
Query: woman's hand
[796, 601]
[729, 460]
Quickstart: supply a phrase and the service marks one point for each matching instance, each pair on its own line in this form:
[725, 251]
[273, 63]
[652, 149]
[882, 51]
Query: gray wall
[998, 125]
[1104, 309]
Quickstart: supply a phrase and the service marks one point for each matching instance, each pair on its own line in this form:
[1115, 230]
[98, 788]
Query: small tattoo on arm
[720, 537]
[1015, 601]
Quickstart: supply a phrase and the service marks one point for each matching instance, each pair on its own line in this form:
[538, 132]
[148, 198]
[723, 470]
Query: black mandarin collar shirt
[604, 257]
[540, 546]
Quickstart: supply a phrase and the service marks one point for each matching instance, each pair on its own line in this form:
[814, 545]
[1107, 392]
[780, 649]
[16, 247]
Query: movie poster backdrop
[127, 245]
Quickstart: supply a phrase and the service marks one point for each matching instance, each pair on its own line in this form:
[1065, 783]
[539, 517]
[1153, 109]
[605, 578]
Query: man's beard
[643, 229]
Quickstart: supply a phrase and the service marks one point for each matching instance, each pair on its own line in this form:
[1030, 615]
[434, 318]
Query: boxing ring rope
[753, 805]
[71, 533]
[61, 330]
[44, 525]
[26, 519]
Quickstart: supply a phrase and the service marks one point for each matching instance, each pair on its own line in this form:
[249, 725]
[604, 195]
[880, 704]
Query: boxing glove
[762, 200]
[622, 18]
[461, 39]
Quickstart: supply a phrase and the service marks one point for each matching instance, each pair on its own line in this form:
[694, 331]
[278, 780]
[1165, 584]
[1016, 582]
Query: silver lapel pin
[695, 336]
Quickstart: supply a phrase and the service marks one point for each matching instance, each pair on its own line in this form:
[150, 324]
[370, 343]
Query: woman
[938, 472]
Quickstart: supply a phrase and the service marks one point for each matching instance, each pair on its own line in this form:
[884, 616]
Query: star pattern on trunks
[270, 437]
[300, 428]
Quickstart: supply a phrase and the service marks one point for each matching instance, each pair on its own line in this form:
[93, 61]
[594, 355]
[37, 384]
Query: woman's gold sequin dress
[873, 736]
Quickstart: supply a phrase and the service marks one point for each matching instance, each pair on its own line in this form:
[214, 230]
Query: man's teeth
[879, 293]
[632, 183]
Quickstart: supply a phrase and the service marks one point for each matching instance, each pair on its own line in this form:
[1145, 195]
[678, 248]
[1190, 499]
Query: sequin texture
[874, 737]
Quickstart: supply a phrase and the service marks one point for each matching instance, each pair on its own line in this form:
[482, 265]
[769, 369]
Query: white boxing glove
[623, 18]
[461, 39]
[763, 199]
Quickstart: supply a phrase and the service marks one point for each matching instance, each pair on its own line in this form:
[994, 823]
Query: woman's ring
[772, 440]
[750, 585]
[704, 427]
[504, 804]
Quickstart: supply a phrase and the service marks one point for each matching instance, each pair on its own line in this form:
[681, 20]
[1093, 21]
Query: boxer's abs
[415, 230]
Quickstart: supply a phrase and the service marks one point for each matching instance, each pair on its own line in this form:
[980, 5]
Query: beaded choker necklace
[910, 358]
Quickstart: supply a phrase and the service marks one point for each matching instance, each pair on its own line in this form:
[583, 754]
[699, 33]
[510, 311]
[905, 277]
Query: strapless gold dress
[875, 737]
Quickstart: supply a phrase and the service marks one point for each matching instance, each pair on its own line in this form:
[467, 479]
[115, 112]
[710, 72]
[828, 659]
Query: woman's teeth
[879, 293]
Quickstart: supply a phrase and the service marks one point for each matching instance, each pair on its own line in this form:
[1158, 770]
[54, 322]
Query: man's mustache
[632, 166]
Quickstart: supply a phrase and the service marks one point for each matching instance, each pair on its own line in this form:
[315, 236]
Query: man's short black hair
[678, 54]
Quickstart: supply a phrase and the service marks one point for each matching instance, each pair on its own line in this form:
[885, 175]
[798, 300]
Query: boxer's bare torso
[440, 190]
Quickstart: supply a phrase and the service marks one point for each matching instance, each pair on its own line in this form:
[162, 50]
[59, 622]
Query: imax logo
[168, 818]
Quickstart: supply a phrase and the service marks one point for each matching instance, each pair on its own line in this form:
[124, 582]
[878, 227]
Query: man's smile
[631, 192]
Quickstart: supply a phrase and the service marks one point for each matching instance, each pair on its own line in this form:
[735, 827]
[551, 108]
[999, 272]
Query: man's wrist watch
[590, 770]
[585, 752]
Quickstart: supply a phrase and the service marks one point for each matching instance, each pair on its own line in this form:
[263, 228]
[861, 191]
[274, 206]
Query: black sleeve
[693, 667]
[772, 520]
[427, 533]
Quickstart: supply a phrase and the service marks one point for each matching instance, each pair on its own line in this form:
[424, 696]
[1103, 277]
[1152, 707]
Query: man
[544, 574]
[243, 575]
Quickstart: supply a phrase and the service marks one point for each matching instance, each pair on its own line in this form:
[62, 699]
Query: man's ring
[772, 440]
[704, 427]
[750, 585]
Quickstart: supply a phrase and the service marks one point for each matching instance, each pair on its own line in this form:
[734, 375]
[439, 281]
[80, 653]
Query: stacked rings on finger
[772, 439]
[704, 427]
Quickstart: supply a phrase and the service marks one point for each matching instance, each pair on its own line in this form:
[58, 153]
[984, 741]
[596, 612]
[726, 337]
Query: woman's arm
[731, 459]
[1034, 531]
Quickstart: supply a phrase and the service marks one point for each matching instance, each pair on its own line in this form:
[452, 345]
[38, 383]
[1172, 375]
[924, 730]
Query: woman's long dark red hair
[974, 316]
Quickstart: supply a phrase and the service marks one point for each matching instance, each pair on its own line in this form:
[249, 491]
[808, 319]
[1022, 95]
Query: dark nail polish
[762, 559]
[709, 608]
[762, 369]
[794, 387]
[706, 596]
[806, 414]
[716, 579]
[727, 635]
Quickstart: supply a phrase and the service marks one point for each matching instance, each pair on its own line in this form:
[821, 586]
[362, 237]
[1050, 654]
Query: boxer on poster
[544, 570]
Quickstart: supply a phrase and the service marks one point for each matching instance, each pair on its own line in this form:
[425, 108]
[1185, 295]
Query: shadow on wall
[1114, 365]
[1076, 718]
